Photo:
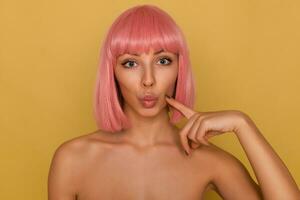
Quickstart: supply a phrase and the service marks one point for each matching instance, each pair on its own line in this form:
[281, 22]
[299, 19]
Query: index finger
[186, 111]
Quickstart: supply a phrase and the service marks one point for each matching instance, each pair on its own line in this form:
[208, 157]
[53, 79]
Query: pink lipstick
[149, 101]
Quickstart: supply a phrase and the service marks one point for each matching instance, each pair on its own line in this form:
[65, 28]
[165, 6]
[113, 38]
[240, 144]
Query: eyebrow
[154, 53]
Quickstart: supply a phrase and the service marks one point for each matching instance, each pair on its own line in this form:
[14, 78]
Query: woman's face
[154, 73]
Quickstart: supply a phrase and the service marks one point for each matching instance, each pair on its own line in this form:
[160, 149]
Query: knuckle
[202, 116]
[193, 138]
[205, 122]
[196, 115]
[198, 138]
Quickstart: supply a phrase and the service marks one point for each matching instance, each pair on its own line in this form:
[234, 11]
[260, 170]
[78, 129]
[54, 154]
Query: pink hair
[135, 31]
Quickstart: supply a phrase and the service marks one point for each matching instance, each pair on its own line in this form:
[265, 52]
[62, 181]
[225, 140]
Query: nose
[148, 79]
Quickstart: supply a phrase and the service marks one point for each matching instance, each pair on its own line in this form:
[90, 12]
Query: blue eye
[128, 61]
[167, 59]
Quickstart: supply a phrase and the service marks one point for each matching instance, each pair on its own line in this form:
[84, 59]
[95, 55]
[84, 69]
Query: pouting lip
[149, 98]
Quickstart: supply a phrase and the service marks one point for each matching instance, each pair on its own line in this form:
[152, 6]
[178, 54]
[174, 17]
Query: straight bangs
[135, 31]
[143, 29]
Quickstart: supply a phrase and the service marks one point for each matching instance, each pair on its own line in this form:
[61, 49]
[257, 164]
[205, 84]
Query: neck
[150, 130]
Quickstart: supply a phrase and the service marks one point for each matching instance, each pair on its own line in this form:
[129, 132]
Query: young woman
[138, 152]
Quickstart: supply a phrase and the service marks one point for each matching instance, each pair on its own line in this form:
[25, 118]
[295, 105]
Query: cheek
[126, 84]
[171, 86]
[171, 89]
[125, 80]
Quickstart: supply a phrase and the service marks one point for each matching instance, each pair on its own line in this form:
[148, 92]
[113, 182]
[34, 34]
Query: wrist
[244, 123]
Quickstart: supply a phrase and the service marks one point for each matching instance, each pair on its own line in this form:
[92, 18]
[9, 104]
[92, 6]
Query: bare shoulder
[68, 152]
[229, 177]
[74, 146]
[67, 164]
[82, 145]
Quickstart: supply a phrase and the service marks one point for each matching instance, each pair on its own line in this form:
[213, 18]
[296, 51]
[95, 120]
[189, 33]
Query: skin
[147, 73]
[273, 176]
[148, 161]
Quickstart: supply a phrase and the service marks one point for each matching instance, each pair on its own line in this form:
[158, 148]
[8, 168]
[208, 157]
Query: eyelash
[128, 60]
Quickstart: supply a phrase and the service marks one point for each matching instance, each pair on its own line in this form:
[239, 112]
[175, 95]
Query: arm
[273, 176]
[61, 183]
[230, 178]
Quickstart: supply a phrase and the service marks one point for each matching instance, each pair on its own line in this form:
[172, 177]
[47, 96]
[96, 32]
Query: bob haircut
[135, 31]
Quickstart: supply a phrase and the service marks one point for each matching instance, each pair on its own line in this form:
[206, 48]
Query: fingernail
[168, 96]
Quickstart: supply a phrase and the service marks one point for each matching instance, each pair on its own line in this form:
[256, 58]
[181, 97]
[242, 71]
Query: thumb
[211, 134]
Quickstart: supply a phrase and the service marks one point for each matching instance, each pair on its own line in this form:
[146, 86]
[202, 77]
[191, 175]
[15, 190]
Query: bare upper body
[101, 165]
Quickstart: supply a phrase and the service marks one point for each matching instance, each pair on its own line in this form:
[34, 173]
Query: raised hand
[203, 125]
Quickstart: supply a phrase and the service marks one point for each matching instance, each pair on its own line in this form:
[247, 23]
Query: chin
[149, 112]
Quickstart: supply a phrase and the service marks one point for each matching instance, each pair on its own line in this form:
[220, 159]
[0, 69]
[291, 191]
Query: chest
[148, 177]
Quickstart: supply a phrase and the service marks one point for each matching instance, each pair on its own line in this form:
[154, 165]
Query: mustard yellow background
[245, 55]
